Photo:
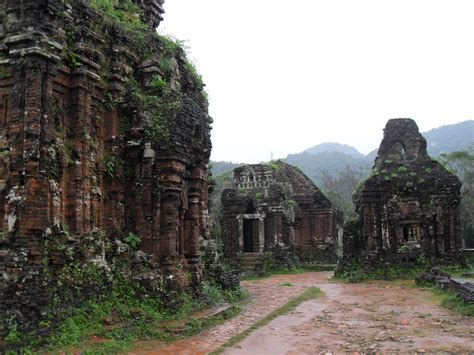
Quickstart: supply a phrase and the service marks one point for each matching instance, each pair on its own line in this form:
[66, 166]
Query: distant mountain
[220, 167]
[334, 147]
[333, 158]
[372, 155]
[450, 138]
[332, 163]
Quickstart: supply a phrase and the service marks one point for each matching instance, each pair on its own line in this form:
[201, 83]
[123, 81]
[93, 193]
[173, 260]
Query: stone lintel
[23, 52]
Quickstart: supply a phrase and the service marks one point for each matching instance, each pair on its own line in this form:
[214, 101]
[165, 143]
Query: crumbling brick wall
[277, 204]
[104, 134]
[408, 207]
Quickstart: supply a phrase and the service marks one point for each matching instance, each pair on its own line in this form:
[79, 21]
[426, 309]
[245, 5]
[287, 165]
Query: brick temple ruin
[276, 204]
[409, 206]
[104, 135]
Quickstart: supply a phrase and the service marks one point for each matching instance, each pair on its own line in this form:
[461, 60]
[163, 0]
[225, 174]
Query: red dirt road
[372, 317]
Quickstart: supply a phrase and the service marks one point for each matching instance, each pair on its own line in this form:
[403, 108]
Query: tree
[339, 189]
[462, 164]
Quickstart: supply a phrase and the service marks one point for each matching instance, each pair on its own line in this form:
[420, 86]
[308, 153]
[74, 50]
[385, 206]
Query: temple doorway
[248, 235]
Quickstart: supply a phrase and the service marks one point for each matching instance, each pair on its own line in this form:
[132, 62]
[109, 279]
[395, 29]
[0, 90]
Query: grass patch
[140, 321]
[293, 271]
[309, 294]
[452, 301]
[114, 323]
[286, 284]
[356, 273]
[126, 343]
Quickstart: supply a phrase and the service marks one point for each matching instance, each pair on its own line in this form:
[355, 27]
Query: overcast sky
[283, 76]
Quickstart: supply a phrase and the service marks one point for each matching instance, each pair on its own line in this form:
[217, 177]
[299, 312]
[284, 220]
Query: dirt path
[349, 317]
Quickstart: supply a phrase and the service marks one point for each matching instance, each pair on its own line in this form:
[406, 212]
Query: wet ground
[369, 317]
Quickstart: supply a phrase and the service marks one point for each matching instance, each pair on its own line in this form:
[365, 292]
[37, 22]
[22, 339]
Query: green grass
[293, 271]
[286, 284]
[136, 320]
[124, 342]
[121, 318]
[309, 294]
[450, 300]
[357, 274]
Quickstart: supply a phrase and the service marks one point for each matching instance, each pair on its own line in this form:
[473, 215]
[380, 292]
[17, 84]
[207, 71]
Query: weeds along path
[367, 317]
[266, 295]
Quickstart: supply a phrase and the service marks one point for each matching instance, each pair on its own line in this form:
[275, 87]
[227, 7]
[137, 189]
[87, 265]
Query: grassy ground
[308, 294]
[453, 302]
[357, 274]
[112, 325]
[299, 270]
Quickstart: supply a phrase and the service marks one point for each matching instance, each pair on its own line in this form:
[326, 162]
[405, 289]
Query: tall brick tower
[99, 140]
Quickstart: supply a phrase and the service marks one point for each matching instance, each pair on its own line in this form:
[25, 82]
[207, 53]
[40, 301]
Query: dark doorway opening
[406, 234]
[248, 235]
[410, 233]
[250, 207]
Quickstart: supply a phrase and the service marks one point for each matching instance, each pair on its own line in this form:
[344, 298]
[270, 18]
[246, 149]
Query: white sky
[283, 76]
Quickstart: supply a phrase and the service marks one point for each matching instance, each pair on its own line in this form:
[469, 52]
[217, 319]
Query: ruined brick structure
[104, 135]
[273, 204]
[409, 206]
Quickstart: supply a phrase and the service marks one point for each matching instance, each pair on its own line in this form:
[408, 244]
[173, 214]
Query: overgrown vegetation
[158, 106]
[450, 300]
[152, 104]
[356, 272]
[462, 164]
[123, 12]
[293, 271]
[116, 321]
[133, 239]
[111, 303]
[275, 165]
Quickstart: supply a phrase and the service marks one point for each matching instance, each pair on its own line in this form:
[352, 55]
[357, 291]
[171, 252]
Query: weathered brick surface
[273, 204]
[78, 164]
[409, 206]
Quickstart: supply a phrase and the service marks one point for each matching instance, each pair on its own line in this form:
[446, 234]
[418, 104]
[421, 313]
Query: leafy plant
[133, 240]
[259, 196]
[157, 84]
[160, 110]
[110, 168]
[109, 102]
[171, 46]
[167, 65]
[212, 293]
[275, 165]
[462, 164]
[74, 59]
[14, 335]
[124, 12]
